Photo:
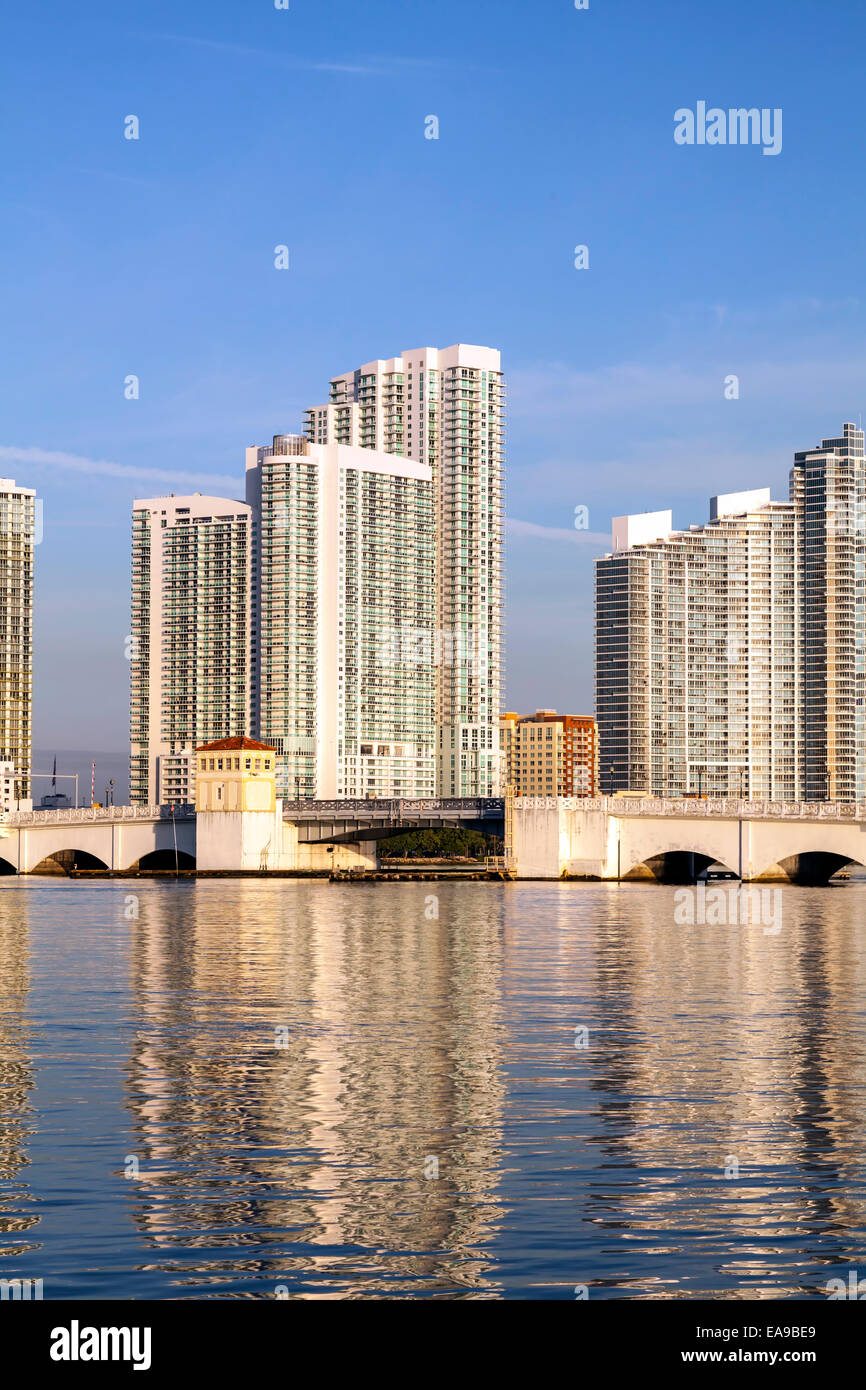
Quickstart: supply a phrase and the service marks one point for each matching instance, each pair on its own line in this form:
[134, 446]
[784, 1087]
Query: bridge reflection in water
[266, 1089]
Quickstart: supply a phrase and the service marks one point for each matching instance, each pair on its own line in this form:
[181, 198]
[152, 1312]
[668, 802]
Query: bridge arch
[673, 866]
[163, 861]
[814, 851]
[811, 866]
[67, 861]
[645, 851]
[6, 867]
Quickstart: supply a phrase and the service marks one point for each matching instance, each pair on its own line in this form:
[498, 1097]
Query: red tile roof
[234, 745]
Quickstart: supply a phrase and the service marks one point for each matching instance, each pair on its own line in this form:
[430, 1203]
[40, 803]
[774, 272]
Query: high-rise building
[828, 490]
[445, 408]
[343, 666]
[549, 754]
[17, 542]
[194, 624]
[696, 689]
[368, 559]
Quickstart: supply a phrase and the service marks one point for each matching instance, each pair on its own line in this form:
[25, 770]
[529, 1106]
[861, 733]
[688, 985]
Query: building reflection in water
[716, 1046]
[17, 1122]
[414, 1041]
[313, 1155]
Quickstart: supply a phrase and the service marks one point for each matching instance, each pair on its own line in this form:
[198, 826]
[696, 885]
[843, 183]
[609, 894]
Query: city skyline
[140, 258]
[109, 759]
[350, 610]
[433, 628]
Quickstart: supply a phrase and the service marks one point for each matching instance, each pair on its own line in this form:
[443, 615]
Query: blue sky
[306, 127]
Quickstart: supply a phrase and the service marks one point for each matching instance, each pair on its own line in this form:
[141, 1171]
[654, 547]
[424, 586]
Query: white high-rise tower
[828, 489]
[445, 408]
[343, 673]
[193, 627]
[17, 538]
[696, 691]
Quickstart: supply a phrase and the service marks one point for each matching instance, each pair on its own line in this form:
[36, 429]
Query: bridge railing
[724, 808]
[84, 815]
[394, 807]
[479, 807]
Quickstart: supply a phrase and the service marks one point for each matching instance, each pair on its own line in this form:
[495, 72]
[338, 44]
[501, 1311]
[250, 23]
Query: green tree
[440, 844]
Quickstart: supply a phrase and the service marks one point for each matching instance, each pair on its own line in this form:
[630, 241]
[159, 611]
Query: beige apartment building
[549, 754]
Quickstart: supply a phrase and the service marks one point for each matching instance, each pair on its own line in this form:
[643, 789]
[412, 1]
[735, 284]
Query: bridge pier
[265, 842]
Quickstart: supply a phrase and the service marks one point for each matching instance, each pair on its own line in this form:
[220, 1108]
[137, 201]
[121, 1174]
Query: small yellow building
[240, 824]
[235, 774]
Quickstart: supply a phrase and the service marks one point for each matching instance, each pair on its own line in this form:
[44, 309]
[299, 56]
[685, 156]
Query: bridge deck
[343, 821]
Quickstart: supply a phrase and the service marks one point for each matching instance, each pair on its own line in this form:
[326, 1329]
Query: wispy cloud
[368, 67]
[644, 475]
[555, 391]
[135, 179]
[75, 463]
[801, 310]
[534, 530]
[624, 437]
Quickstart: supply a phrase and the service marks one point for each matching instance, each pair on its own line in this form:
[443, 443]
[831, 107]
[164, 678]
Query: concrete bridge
[115, 838]
[675, 841]
[315, 836]
[603, 838]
